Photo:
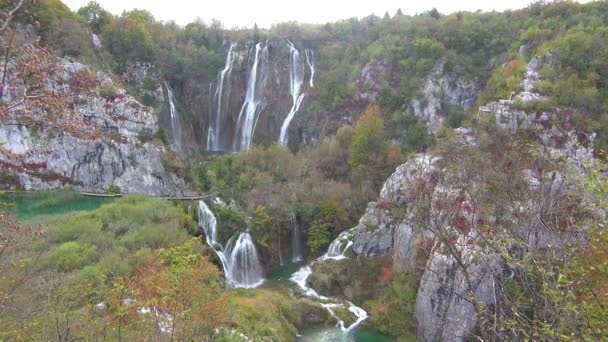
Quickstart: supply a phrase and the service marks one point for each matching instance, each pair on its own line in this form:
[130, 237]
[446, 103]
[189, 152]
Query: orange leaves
[175, 290]
[512, 68]
[386, 274]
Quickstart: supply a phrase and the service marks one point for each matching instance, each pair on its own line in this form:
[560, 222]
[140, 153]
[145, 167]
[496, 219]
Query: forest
[499, 192]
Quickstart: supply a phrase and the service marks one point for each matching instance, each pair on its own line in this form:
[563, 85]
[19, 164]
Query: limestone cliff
[429, 210]
[87, 133]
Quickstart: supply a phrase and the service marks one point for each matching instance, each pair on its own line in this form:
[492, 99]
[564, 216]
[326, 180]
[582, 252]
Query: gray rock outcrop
[111, 150]
[441, 89]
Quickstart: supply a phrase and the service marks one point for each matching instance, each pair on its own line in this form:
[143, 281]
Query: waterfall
[336, 249]
[296, 244]
[281, 261]
[214, 130]
[300, 278]
[254, 97]
[296, 77]
[239, 258]
[311, 64]
[176, 131]
[245, 268]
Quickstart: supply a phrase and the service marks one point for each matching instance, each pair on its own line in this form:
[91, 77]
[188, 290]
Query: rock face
[380, 230]
[443, 309]
[410, 217]
[443, 93]
[109, 151]
[257, 75]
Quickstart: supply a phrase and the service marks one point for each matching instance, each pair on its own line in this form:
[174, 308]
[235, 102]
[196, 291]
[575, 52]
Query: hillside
[430, 177]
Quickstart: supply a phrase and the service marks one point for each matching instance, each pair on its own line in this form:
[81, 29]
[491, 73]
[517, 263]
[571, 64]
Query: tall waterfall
[296, 77]
[215, 129]
[254, 98]
[176, 131]
[239, 258]
[296, 244]
[311, 64]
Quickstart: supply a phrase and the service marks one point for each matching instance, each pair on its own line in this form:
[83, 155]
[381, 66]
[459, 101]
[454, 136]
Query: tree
[95, 16]
[369, 142]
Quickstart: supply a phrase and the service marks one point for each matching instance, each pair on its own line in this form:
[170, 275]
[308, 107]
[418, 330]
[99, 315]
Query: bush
[72, 256]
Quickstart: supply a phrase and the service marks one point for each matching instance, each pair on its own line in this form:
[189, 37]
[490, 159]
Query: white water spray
[254, 97]
[214, 131]
[311, 64]
[176, 131]
[338, 247]
[301, 276]
[239, 258]
[296, 244]
[296, 77]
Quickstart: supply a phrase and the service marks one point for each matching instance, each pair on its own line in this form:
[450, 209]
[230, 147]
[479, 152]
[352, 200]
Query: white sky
[244, 13]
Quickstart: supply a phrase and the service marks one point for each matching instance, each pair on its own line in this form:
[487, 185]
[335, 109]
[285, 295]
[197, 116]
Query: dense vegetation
[130, 270]
[472, 45]
[141, 249]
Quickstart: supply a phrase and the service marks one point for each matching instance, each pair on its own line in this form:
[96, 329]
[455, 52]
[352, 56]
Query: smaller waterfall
[239, 258]
[296, 77]
[337, 247]
[245, 268]
[300, 278]
[281, 261]
[296, 244]
[214, 131]
[311, 64]
[335, 251]
[176, 131]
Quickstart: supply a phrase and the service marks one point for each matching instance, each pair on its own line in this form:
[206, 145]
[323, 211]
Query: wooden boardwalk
[92, 194]
[177, 198]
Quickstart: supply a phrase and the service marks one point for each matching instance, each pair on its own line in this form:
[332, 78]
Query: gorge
[428, 177]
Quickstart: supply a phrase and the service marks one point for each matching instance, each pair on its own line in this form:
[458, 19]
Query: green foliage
[369, 141]
[71, 256]
[115, 233]
[259, 224]
[319, 235]
[392, 312]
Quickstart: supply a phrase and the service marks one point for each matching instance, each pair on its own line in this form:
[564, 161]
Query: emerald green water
[32, 205]
[29, 205]
[284, 272]
[336, 335]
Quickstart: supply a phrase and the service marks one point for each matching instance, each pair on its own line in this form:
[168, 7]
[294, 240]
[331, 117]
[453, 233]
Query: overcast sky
[244, 13]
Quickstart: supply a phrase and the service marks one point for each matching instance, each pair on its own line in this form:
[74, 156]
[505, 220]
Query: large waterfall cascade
[176, 131]
[239, 257]
[215, 129]
[296, 79]
[227, 131]
[254, 97]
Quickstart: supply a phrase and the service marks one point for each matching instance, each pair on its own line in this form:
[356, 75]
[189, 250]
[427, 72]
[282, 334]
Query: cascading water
[245, 268]
[296, 244]
[311, 64]
[215, 130]
[254, 98]
[239, 258]
[296, 77]
[337, 247]
[176, 131]
[301, 276]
